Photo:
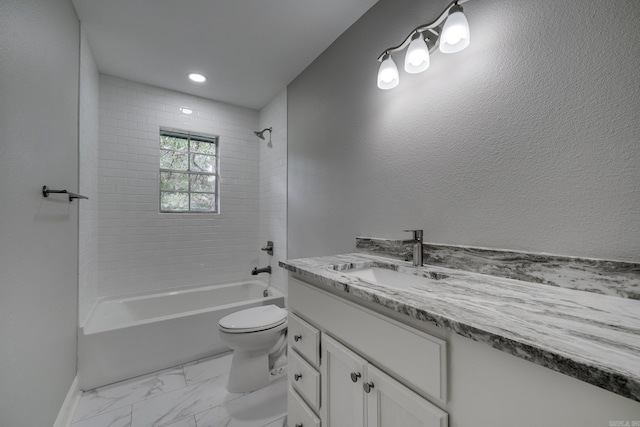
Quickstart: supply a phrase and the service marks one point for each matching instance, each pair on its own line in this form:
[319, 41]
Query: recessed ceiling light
[198, 78]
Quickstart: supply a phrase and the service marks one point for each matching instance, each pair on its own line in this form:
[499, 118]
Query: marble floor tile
[281, 422]
[187, 422]
[255, 409]
[183, 403]
[125, 393]
[208, 368]
[118, 418]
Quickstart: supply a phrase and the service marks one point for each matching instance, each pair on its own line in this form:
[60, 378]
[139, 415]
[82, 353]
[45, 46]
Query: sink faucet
[257, 270]
[417, 246]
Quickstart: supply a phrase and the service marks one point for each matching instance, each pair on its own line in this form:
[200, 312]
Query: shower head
[261, 133]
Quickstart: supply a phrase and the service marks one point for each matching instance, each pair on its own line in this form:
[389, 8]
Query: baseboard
[68, 409]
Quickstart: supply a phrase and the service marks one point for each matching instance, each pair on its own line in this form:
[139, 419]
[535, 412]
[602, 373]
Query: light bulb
[455, 33]
[198, 78]
[417, 58]
[388, 74]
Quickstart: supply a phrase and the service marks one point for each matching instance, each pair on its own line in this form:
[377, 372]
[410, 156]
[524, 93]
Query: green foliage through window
[188, 172]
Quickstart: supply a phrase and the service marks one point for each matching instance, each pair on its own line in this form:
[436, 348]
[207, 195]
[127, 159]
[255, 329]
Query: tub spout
[257, 270]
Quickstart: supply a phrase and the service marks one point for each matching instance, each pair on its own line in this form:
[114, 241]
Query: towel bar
[46, 191]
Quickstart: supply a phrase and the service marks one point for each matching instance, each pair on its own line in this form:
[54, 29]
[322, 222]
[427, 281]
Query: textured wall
[527, 140]
[273, 187]
[88, 152]
[39, 44]
[140, 249]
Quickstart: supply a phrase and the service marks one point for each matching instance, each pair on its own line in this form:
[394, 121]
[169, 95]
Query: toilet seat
[253, 320]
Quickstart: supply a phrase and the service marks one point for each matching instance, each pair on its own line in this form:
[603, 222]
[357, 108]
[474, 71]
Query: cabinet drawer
[304, 379]
[412, 356]
[304, 338]
[299, 413]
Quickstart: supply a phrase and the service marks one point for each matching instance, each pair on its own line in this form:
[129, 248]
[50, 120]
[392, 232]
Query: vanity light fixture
[186, 110]
[449, 32]
[198, 78]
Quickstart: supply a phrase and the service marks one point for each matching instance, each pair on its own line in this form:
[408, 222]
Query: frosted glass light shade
[388, 74]
[417, 58]
[455, 33]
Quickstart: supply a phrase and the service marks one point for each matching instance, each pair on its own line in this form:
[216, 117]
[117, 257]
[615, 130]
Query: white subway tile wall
[141, 249]
[273, 186]
[88, 185]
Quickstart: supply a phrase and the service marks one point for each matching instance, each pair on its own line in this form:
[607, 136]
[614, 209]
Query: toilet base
[250, 372]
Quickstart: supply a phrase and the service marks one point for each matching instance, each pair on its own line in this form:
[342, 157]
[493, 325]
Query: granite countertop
[594, 338]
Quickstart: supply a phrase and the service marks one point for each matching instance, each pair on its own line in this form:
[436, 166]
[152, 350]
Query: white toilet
[258, 339]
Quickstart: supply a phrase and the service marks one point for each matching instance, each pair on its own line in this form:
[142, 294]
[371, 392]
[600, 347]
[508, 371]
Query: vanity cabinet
[343, 375]
[357, 394]
[372, 370]
[303, 373]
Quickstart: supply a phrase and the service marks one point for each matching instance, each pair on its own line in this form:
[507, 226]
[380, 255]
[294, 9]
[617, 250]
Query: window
[188, 172]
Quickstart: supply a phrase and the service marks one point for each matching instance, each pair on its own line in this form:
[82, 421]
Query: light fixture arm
[432, 27]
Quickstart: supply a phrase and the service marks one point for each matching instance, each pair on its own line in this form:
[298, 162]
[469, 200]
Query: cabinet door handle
[297, 338]
[299, 425]
[297, 376]
[367, 387]
[355, 376]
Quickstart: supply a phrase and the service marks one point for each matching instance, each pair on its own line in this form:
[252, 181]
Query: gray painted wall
[527, 140]
[39, 45]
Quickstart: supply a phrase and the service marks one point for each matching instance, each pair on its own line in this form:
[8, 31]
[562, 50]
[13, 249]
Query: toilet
[258, 338]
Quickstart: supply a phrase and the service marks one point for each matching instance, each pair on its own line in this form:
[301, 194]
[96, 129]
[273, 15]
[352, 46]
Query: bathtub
[127, 337]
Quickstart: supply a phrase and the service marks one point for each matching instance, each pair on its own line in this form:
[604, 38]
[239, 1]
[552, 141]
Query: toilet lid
[256, 318]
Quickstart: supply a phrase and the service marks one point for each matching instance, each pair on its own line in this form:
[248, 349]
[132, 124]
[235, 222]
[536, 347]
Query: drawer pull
[367, 387]
[297, 376]
[355, 376]
[299, 425]
[297, 338]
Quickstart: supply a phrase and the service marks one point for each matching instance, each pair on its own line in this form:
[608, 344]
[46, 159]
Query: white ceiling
[248, 49]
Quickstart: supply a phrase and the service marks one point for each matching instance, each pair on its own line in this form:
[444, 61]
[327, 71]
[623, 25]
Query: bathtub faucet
[257, 270]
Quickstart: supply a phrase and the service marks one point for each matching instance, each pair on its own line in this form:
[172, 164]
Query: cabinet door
[342, 398]
[391, 404]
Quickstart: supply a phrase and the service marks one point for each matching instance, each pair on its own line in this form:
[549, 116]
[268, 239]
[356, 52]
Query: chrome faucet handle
[417, 234]
[417, 246]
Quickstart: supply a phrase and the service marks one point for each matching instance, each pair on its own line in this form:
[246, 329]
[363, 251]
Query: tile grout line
[184, 375]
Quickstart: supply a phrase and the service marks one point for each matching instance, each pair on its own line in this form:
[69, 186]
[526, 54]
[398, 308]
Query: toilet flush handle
[297, 338]
[297, 376]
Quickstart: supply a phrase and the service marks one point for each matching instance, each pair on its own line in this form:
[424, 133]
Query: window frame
[196, 137]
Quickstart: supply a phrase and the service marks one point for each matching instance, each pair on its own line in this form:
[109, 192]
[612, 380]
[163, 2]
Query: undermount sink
[392, 278]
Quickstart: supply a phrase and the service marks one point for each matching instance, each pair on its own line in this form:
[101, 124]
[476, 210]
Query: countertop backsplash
[614, 278]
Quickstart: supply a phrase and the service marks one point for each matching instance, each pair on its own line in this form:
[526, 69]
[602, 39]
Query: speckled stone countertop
[600, 276]
[594, 338]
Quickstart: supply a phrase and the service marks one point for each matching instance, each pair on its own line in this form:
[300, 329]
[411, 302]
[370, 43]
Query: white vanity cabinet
[373, 371]
[343, 375]
[357, 394]
[303, 373]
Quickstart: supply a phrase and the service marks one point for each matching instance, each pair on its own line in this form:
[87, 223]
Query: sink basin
[392, 278]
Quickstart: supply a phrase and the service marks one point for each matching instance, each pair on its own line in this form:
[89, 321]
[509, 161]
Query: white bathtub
[132, 336]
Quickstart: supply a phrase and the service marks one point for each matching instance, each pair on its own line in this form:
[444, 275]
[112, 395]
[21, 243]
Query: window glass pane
[188, 171]
[174, 201]
[173, 160]
[174, 181]
[202, 163]
[203, 147]
[204, 183]
[174, 143]
[203, 202]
